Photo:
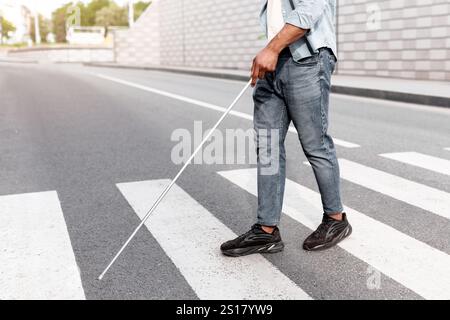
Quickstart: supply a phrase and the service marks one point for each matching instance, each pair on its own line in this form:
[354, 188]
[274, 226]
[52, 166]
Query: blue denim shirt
[317, 16]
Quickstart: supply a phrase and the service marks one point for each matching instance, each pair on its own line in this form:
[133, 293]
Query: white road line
[448, 149]
[206, 105]
[413, 193]
[421, 160]
[191, 237]
[37, 260]
[408, 261]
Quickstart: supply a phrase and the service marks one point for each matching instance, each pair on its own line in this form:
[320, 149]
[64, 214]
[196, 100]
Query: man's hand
[266, 61]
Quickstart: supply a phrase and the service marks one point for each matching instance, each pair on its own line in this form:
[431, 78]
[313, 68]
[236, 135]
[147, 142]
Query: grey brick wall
[191, 33]
[411, 39]
[210, 33]
[140, 44]
[390, 38]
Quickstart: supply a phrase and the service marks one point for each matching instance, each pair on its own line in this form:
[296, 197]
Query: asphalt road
[80, 131]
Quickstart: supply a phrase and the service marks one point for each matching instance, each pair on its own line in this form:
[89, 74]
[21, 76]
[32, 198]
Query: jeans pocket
[328, 61]
[332, 63]
[308, 62]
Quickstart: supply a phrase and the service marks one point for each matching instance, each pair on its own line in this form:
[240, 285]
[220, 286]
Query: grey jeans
[297, 92]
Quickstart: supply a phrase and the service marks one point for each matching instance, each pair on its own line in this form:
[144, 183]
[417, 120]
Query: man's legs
[307, 97]
[271, 123]
[307, 94]
[297, 91]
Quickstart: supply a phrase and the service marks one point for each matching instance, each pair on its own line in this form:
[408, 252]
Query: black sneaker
[328, 234]
[254, 241]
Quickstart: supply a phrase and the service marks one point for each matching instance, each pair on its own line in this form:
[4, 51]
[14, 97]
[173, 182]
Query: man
[291, 76]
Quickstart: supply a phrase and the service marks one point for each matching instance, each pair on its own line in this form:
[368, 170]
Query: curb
[431, 101]
[397, 96]
[18, 61]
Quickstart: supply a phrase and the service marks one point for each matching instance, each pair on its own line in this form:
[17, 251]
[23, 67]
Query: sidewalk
[433, 93]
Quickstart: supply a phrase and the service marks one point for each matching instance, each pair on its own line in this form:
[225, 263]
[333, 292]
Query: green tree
[90, 12]
[139, 8]
[97, 12]
[60, 17]
[6, 27]
[113, 15]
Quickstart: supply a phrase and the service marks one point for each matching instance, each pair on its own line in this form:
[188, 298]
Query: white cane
[166, 190]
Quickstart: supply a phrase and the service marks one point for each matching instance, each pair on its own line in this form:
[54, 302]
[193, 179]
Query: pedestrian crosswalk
[422, 161]
[38, 261]
[190, 236]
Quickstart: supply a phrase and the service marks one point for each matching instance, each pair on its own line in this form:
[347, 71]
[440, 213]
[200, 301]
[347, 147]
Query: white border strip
[206, 105]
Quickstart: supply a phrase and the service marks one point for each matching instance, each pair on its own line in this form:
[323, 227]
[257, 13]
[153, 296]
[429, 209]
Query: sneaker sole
[344, 234]
[267, 248]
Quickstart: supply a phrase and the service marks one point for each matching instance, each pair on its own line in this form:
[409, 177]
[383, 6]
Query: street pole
[1, 28]
[130, 13]
[37, 32]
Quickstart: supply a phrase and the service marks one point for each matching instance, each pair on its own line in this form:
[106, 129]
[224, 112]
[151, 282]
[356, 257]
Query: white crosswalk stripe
[37, 260]
[410, 262]
[448, 149]
[191, 236]
[413, 193]
[421, 160]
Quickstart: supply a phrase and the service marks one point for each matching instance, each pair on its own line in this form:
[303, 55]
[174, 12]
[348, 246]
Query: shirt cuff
[301, 20]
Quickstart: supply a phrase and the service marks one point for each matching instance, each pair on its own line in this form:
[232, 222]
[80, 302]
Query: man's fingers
[262, 74]
[255, 74]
